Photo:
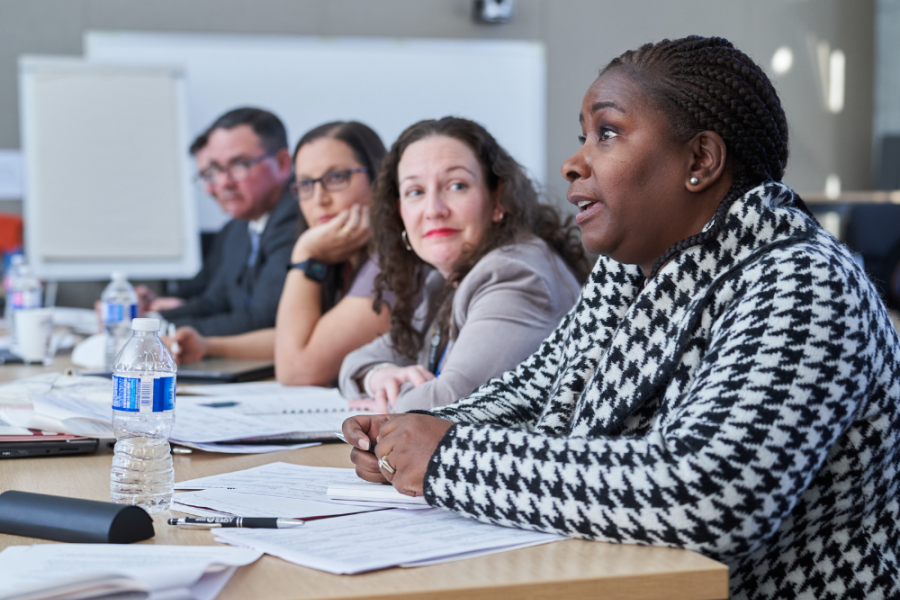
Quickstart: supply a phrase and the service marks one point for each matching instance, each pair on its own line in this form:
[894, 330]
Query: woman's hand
[361, 431]
[191, 345]
[165, 303]
[337, 240]
[406, 442]
[385, 385]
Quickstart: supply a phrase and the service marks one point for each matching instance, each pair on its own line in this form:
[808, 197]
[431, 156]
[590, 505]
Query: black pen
[341, 437]
[248, 522]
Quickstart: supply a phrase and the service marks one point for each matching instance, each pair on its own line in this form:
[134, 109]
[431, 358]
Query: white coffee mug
[34, 335]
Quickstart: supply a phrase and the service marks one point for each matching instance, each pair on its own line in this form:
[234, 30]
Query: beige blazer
[504, 308]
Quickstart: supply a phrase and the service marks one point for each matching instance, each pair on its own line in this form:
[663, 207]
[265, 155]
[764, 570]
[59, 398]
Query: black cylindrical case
[72, 519]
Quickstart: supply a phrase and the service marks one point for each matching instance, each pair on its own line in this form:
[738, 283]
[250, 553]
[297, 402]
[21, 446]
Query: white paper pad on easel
[198, 572]
[387, 538]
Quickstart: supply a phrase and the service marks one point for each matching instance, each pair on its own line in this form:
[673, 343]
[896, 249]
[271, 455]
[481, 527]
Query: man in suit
[244, 163]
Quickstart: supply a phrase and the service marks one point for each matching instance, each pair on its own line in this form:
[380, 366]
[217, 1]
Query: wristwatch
[314, 269]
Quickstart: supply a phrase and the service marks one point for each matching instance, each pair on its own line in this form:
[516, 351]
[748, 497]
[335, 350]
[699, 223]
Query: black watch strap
[314, 269]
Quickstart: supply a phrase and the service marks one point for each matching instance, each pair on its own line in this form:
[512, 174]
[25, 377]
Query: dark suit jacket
[240, 298]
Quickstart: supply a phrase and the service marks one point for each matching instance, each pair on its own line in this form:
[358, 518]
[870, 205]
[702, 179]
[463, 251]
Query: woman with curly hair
[480, 271]
[729, 379]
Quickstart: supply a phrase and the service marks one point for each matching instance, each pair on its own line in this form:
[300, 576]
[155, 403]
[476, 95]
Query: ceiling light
[782, 60]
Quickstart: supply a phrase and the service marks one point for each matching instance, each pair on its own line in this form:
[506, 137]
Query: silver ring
[384, 464]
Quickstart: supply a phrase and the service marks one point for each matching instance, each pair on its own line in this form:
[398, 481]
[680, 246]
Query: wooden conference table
[566, 569]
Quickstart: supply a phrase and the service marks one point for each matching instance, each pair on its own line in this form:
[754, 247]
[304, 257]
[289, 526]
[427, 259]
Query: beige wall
[580, 35]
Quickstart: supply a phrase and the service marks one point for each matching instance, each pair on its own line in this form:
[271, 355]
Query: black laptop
[53, 447]
[219, 370]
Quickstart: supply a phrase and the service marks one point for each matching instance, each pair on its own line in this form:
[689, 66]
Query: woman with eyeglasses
[505, 270]
[326, 308]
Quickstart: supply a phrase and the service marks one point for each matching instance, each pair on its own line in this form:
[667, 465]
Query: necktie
[254, 247]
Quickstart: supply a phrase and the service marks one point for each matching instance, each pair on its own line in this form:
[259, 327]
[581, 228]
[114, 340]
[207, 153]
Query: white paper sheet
[200, 570]
[211, 421]
[383, 495]
[261, 389]
[20, 392]
[200, 424]
[377, 540]
[246, 448]
[193, 422]
[303, 409]
[80, 320]
[277, 479]
[8, 428]
[242, 504]
[26, 417]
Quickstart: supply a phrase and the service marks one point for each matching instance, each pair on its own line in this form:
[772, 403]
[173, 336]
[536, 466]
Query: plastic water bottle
[143, 417]
[10, 276]
[120, 306]
[25, 292]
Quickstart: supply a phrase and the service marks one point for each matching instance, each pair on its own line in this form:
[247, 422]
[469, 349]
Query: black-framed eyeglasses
[236, 171]
[332, 181]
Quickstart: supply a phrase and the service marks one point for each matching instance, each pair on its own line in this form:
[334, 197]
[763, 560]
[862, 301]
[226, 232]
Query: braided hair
[706, 84]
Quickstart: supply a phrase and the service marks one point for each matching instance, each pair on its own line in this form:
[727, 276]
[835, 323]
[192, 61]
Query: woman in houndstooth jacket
[728, 380]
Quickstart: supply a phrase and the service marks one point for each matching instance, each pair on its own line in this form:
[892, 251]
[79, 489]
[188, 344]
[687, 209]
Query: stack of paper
[388, 538]
[198, 572]
[373, 494]
[18, 400]
[218, 502]
[241, 423]
[343, 544]
[277, 489]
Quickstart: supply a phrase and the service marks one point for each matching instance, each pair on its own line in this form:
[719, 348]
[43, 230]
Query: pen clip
[197, 525]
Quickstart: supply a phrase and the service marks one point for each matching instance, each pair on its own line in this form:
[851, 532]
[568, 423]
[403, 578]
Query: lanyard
[434, 362]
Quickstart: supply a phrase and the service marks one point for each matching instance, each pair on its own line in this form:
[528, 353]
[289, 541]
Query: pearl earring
[694, 181]
[406, 240]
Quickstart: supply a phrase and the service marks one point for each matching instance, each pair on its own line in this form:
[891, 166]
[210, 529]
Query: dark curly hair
[403, 272]
[706, 84]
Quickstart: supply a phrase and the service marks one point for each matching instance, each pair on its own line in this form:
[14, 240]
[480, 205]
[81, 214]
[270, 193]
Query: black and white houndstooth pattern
[745, 404]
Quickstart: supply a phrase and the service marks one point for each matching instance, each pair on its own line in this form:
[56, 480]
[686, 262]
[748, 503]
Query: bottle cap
[117, 276]
[145, 324]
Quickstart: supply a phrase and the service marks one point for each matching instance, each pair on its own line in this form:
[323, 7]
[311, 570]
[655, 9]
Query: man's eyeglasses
[332, 181]
[236, 171]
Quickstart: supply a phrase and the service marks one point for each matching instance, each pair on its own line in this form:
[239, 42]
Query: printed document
[364, 492]
[277, 479]
[197, 420]
[240, 504]
[167, 571]
[377, 540]
[266, 389]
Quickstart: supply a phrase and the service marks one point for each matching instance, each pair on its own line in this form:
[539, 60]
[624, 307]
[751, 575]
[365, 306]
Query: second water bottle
[120, 306]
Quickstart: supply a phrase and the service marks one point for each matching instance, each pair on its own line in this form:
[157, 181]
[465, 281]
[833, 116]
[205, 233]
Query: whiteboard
[386, 83]
[107, 187]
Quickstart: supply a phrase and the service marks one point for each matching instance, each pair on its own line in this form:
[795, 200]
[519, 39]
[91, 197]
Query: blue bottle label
[25, 299]
[114, 312]
[143, 394]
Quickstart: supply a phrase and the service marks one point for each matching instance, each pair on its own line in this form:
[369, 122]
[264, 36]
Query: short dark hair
[368, 149]
[269, 128]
